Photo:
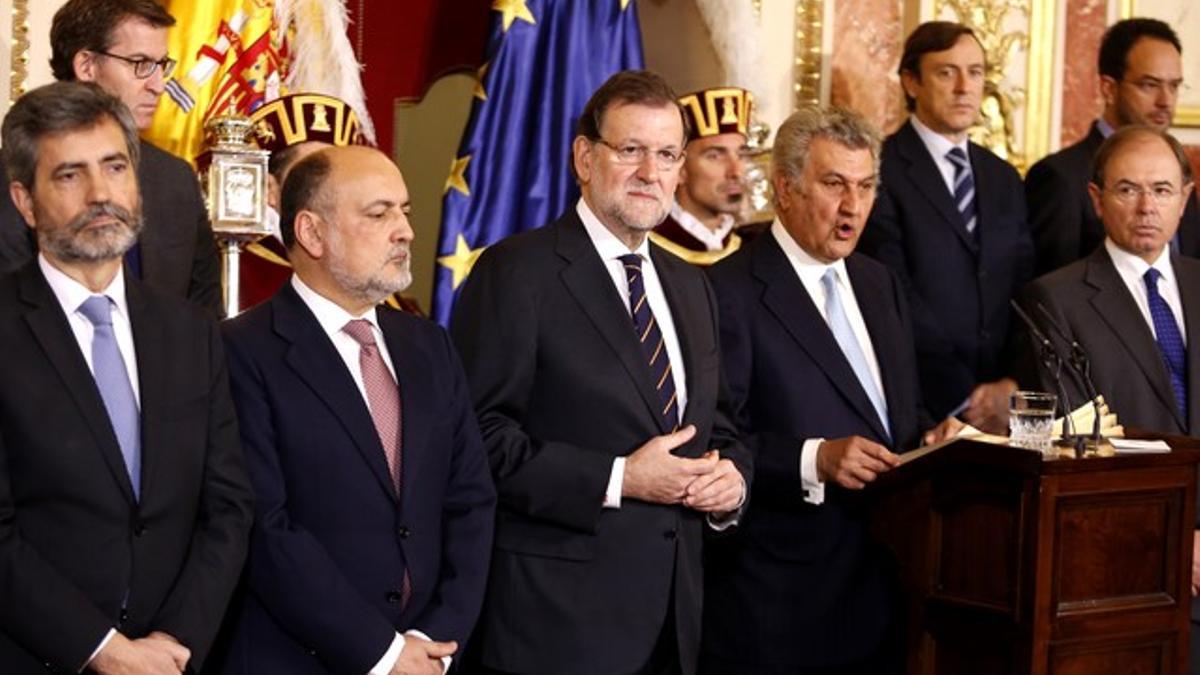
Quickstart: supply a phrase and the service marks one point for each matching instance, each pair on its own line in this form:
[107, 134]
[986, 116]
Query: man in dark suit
[817, 345]
[375, 505]
[950, 223]
[1133, 304]
[124, 504]
[1141, 71]
[593, 360]
[121, 45]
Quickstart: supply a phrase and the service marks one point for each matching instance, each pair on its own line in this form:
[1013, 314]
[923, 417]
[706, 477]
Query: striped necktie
[964, 188]
[1170, 341]
[651, 338]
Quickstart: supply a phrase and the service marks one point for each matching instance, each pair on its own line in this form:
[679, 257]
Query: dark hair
[304, 190]
[281, 160]
[55, 108]
[90, 24]
[929, 37]
[1120, 38]
[1128, 134]
[642, 87]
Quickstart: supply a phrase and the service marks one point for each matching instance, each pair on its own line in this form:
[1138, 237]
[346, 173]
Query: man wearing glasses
[593, 364]
[1141, 73]
[1133, 304]
[121, 45]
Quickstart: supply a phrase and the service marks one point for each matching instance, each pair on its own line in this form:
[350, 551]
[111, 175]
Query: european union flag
[544, 60]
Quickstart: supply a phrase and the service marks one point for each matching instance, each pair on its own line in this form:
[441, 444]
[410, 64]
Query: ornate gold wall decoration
[806, 67]
[19, 53]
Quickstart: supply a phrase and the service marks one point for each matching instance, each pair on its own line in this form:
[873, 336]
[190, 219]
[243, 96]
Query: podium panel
[1011, 564]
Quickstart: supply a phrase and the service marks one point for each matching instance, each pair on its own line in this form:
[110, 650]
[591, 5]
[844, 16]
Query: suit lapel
[154, 383]
[589, 283]
[1116, 307]
[414, 377]
[50, 328]
[1187, 274]
[686, 317]
[786, 298]
[876, 310]
[310, 355]
[987, 203]
[924, 174]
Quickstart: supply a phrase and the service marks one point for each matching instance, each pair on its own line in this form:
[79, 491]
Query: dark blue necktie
[651, 338]
[964, 187]
[1170, 341]
[112, 379]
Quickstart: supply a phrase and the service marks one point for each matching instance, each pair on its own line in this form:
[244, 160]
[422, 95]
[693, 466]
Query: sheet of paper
[1129, 446]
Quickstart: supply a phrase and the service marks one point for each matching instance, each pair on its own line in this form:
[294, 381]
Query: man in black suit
[375, 505]
[593, 360]
[950, 223]
[818, 350]
[121, 45]
[124, 504]
[1141, 71]
[1133, 304]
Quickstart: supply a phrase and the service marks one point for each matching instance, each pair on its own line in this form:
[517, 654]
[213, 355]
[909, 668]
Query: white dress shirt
[938, 145]
[1132, 269]
[71, 295]
[611, 249]
[713, 240]
[810, 270]
[333, 318]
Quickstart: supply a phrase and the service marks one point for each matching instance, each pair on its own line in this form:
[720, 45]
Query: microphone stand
[1053, 363]
[1082, 367]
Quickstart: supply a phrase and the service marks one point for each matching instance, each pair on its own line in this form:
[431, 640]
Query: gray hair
[56, 108]
[841, 125]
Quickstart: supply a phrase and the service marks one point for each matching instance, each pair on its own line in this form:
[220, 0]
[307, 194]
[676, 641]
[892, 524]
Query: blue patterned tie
[1170, 341]
[108, 369]
[835, 315]
[964, 187]
[653, 347]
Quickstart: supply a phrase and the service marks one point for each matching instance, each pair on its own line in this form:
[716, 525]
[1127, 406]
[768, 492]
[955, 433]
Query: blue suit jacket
[332, 541]
[799, 584]
[958, 285]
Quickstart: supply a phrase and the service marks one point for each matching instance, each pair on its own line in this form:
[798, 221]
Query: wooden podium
[1011, 564]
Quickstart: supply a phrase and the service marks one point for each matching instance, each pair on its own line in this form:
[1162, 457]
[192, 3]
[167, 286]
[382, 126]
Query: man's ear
[309, 233]
[1108, 90]
[273, 189]
[581, 154]
[23, 200]
[85, 65]
[1095, 193]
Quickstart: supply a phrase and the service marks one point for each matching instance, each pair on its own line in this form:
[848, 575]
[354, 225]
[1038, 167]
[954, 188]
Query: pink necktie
[383, 396]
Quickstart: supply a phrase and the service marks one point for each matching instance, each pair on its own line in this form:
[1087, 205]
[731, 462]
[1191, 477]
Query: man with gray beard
[124, 503]
[592, 357]
[374, 502]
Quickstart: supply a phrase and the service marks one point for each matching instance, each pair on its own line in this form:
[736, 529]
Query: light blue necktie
[108, 368]
[844, 334]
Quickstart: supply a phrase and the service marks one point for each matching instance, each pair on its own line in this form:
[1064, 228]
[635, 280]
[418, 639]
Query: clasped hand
[709, 483]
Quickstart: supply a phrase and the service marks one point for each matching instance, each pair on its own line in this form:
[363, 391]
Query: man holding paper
[1132, 304]
[818, 352]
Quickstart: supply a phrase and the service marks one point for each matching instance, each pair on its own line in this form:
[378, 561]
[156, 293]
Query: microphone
[1080, 364]
[1052, 361]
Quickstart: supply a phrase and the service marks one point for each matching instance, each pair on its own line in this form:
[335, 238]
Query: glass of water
[1031, 419]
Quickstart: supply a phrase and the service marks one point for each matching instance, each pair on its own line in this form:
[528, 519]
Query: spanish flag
[229, 56]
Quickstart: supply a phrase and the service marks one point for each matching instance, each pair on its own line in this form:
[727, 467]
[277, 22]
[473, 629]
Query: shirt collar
[1105, 128]
[605, 242]
[1130, 264]
[329, 314]
[713, 239]
[809, 268]
[71, 294]
[937, 144]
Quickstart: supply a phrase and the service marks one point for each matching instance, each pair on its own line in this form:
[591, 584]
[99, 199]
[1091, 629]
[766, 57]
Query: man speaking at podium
[1132, 304]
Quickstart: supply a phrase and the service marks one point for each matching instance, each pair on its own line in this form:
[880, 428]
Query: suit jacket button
[394, 596]
[669, 535]
[402, 532]
[139, 530]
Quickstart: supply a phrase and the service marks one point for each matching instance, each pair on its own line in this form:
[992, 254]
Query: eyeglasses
[1152, 85]
[1128, 193]
[664, 158]
[144, 68]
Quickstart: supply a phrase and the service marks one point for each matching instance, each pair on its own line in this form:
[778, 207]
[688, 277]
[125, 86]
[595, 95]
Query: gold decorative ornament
[19, 53]
[806, 64]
